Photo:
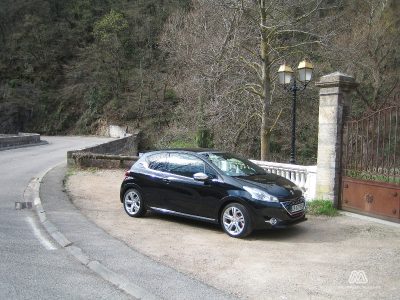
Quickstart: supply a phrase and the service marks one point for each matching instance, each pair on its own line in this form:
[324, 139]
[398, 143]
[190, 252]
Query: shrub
[204, 138]
[322, 207]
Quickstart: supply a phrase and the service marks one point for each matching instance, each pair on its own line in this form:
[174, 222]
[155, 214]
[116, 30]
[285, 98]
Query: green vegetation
[322, 207]
[189, 72]
[70, 172]
[74, 66]
[204, 138]
[181, 144]
[181, 140]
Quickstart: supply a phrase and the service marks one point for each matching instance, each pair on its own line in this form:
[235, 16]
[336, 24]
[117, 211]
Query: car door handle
[167, 180]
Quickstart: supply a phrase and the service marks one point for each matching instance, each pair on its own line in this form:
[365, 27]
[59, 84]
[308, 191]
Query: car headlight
[261, 195]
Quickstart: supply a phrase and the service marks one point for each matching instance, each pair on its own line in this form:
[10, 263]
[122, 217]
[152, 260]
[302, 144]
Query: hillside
[181, 69]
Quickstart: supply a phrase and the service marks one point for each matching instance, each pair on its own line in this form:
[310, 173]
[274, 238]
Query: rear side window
[158, 162]
[185, 165]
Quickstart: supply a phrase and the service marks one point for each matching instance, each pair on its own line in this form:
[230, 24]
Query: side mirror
[200, 176]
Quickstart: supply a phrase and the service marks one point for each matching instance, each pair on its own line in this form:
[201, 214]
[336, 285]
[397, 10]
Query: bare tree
[202, 54]
[368, 49]
[230, 50]
[283, 28]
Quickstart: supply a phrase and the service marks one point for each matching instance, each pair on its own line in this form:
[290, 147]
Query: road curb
[32, 194]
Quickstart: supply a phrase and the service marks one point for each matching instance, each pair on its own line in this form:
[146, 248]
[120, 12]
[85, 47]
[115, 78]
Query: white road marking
[38, 234]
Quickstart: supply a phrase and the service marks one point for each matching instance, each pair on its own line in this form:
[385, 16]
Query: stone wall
[13, 140]
[106, 161]
[127, 145]
[119, 153]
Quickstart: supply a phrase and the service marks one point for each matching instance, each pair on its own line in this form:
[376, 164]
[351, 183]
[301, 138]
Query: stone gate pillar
[334, 107]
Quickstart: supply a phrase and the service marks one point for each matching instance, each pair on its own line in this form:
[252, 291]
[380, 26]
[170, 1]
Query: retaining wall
[120, 153]
[13, 140]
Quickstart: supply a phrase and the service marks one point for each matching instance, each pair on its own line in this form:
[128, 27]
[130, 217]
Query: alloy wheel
[234, 220]
[132, 202]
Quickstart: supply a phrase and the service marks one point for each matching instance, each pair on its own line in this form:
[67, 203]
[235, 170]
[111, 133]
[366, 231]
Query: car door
[152, 179]
[187, 195]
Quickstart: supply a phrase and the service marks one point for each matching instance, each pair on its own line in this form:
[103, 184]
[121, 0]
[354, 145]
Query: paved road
[31, 265]
[143, 277]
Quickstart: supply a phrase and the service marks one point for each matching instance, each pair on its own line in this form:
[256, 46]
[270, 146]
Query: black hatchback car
[211, 186]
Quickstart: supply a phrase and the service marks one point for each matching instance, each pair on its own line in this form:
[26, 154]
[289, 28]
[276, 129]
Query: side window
[185, 165]
[158, 162]
[210, 172]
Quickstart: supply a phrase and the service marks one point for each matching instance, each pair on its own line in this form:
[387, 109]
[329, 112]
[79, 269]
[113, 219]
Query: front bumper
[287, 223]
[277, 215]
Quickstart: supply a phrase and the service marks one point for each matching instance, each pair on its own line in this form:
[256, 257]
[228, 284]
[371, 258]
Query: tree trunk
[266, 82]
[265, 139]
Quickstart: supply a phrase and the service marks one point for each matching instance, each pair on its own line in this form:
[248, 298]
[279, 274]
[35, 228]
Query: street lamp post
[289, 82]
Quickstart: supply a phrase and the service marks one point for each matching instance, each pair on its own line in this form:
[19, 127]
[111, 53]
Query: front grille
[288, 205]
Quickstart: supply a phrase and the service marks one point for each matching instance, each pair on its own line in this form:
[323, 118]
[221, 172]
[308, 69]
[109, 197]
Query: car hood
[273, 184]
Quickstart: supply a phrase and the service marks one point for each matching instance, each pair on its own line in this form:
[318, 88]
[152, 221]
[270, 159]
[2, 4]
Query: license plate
[297, 207]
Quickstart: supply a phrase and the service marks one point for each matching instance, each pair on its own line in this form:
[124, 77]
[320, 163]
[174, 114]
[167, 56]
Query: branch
[254, 85]
[252, 89]
[255, 66]
[243, 127]
[363, 98]
[276, 120]
[252, 52]
[306, 15]
[388, 94]
[297, 31]
[227, 38]
[297, 45]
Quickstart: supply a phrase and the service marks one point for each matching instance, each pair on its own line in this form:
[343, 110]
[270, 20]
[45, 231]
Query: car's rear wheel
[236, 221]
[133, 203]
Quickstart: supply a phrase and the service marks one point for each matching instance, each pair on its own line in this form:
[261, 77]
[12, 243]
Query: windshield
[233, 165]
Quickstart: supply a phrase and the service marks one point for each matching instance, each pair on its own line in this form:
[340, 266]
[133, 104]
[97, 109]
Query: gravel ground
[311, 260]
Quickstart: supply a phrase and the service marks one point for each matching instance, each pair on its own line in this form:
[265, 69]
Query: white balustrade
[304, 177]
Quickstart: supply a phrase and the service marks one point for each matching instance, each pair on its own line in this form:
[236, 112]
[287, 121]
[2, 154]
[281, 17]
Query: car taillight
[127, 173]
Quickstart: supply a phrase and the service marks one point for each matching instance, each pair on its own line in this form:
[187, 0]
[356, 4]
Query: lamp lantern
[293, 84]
[285, 73]
[305, 70]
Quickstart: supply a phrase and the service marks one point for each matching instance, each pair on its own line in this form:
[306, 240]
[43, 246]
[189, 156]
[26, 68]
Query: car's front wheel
[133, 203]
[235, 220]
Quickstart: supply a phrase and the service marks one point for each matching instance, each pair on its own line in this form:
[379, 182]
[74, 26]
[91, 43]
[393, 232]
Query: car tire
[236, 221]
[133, 203]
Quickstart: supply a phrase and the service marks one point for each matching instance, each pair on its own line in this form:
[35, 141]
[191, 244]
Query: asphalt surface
[32, 266]
[160, 281]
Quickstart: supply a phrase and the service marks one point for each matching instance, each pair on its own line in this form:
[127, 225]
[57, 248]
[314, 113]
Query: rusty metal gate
[371, 165]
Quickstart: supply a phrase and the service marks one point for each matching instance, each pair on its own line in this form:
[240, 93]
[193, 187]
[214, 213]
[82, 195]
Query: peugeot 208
[212, 186]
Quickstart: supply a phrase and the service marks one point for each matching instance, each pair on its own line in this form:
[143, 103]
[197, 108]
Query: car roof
[187, 150]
